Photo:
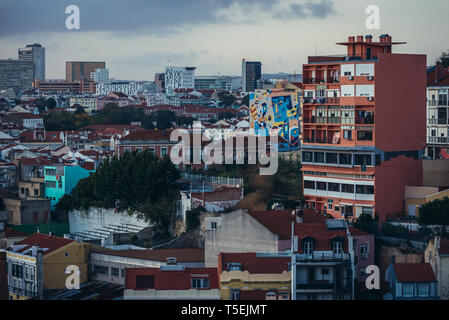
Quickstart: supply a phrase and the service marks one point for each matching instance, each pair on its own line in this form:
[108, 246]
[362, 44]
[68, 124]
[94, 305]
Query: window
[36, 192]
[335, 187]
[363, 160]
[309, 184]
[337, 208]
[307, 156]
[361, 189]
[337, 247]
[234, 266]
[364, 251]
[365, 135]
[50, 184]
[407, 289]
[115, 272]
[213, 225]
[318, 157]
[345, 158]
[163, 152]
[347, 188]
[324, 271]
[122, 273]
[331, 158]
[308, 247]
[423, 289]
[151, 150]
[145, 282]
[235, 294]
[200, 283]
[321, 185]
[101, 269]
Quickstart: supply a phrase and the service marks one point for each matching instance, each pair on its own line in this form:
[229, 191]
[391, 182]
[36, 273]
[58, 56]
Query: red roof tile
[172, 280]
[253, 264]
[321, 235]
[40, 240]
[414, 272]
[181, 255]
[148, 135]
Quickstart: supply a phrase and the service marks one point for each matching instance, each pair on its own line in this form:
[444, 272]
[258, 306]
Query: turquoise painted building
[61, 179]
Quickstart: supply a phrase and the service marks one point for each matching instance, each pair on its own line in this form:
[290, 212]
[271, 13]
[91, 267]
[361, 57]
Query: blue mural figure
[281, 105]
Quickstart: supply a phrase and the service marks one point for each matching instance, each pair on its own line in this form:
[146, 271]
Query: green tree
[444, 59]
[192, 218]
[164, 118]
[50, 103]
[245, 100]
[366, 223]
[226, 99]
[436, 213]
[225, 115]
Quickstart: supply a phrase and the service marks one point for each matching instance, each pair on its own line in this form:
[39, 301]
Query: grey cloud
[139, 16]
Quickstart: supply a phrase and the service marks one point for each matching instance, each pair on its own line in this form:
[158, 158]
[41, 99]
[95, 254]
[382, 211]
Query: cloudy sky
[137, 38]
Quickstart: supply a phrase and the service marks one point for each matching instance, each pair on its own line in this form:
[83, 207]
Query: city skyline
[140, 38]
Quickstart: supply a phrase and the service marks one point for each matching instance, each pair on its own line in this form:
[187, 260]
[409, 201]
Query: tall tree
[444, 59]
[436, 213]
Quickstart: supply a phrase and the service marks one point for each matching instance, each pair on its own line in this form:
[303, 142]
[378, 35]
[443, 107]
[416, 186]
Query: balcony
[314, 285]
[439, 140]
[339, 58]
[322, 256]
[437, 103]
[320, 81]
[322, 100]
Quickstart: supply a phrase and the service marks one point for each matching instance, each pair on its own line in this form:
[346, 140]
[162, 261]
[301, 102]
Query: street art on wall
[276, 112]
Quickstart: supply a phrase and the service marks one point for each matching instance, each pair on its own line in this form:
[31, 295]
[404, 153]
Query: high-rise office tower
[36, 54]
[77, 70]
[364, 129]
[16, 74]
[251, 73]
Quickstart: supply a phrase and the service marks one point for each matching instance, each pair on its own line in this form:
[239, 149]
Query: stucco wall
[236, 232]
[436, 172]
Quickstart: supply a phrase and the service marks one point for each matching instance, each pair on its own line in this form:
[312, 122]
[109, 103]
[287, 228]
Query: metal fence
[216, 181]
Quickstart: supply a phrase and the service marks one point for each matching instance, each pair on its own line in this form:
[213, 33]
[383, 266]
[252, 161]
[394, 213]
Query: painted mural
[276, 112]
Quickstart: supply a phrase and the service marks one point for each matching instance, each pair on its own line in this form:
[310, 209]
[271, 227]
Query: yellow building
[414, 197]
[252, 276]
[39, 263]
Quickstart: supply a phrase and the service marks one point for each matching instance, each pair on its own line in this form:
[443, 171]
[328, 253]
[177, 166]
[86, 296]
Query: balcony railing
[322, 100]
[320, 81]
[322, 256]
[436, 103]
[338, 58]
[315, 285]
[438, 121]
[438, 139]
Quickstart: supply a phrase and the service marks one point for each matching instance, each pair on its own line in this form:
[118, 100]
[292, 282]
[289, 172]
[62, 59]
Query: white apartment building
[89, 103]
[100, 75]
[179, 78]
[437, 122]
[126, 87]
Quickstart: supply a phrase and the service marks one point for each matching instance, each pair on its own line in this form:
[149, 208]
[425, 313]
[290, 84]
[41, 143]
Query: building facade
[354, 160]
[179, 78]
[438, 121]
[16, 74]
[81, 70]
[36, 54]
[251, 73]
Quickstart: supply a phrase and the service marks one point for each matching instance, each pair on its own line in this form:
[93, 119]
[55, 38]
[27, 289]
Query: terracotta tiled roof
[12, 233]
[253, 264]
[148, 135]
[414, 272]
[181, 255]
[40, 240]
[172, 280]
[320, 234]
[279, 221]
[102, 127]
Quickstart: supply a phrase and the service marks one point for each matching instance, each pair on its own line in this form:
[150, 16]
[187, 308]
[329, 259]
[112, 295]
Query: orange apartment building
[364, 128]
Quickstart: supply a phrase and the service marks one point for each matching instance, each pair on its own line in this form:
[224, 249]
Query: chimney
[351, 39]
[359, 38]
[369, 38]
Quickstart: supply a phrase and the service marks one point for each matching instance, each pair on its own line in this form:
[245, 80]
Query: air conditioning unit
[370, 78]
[351, 78]
[370, 98]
